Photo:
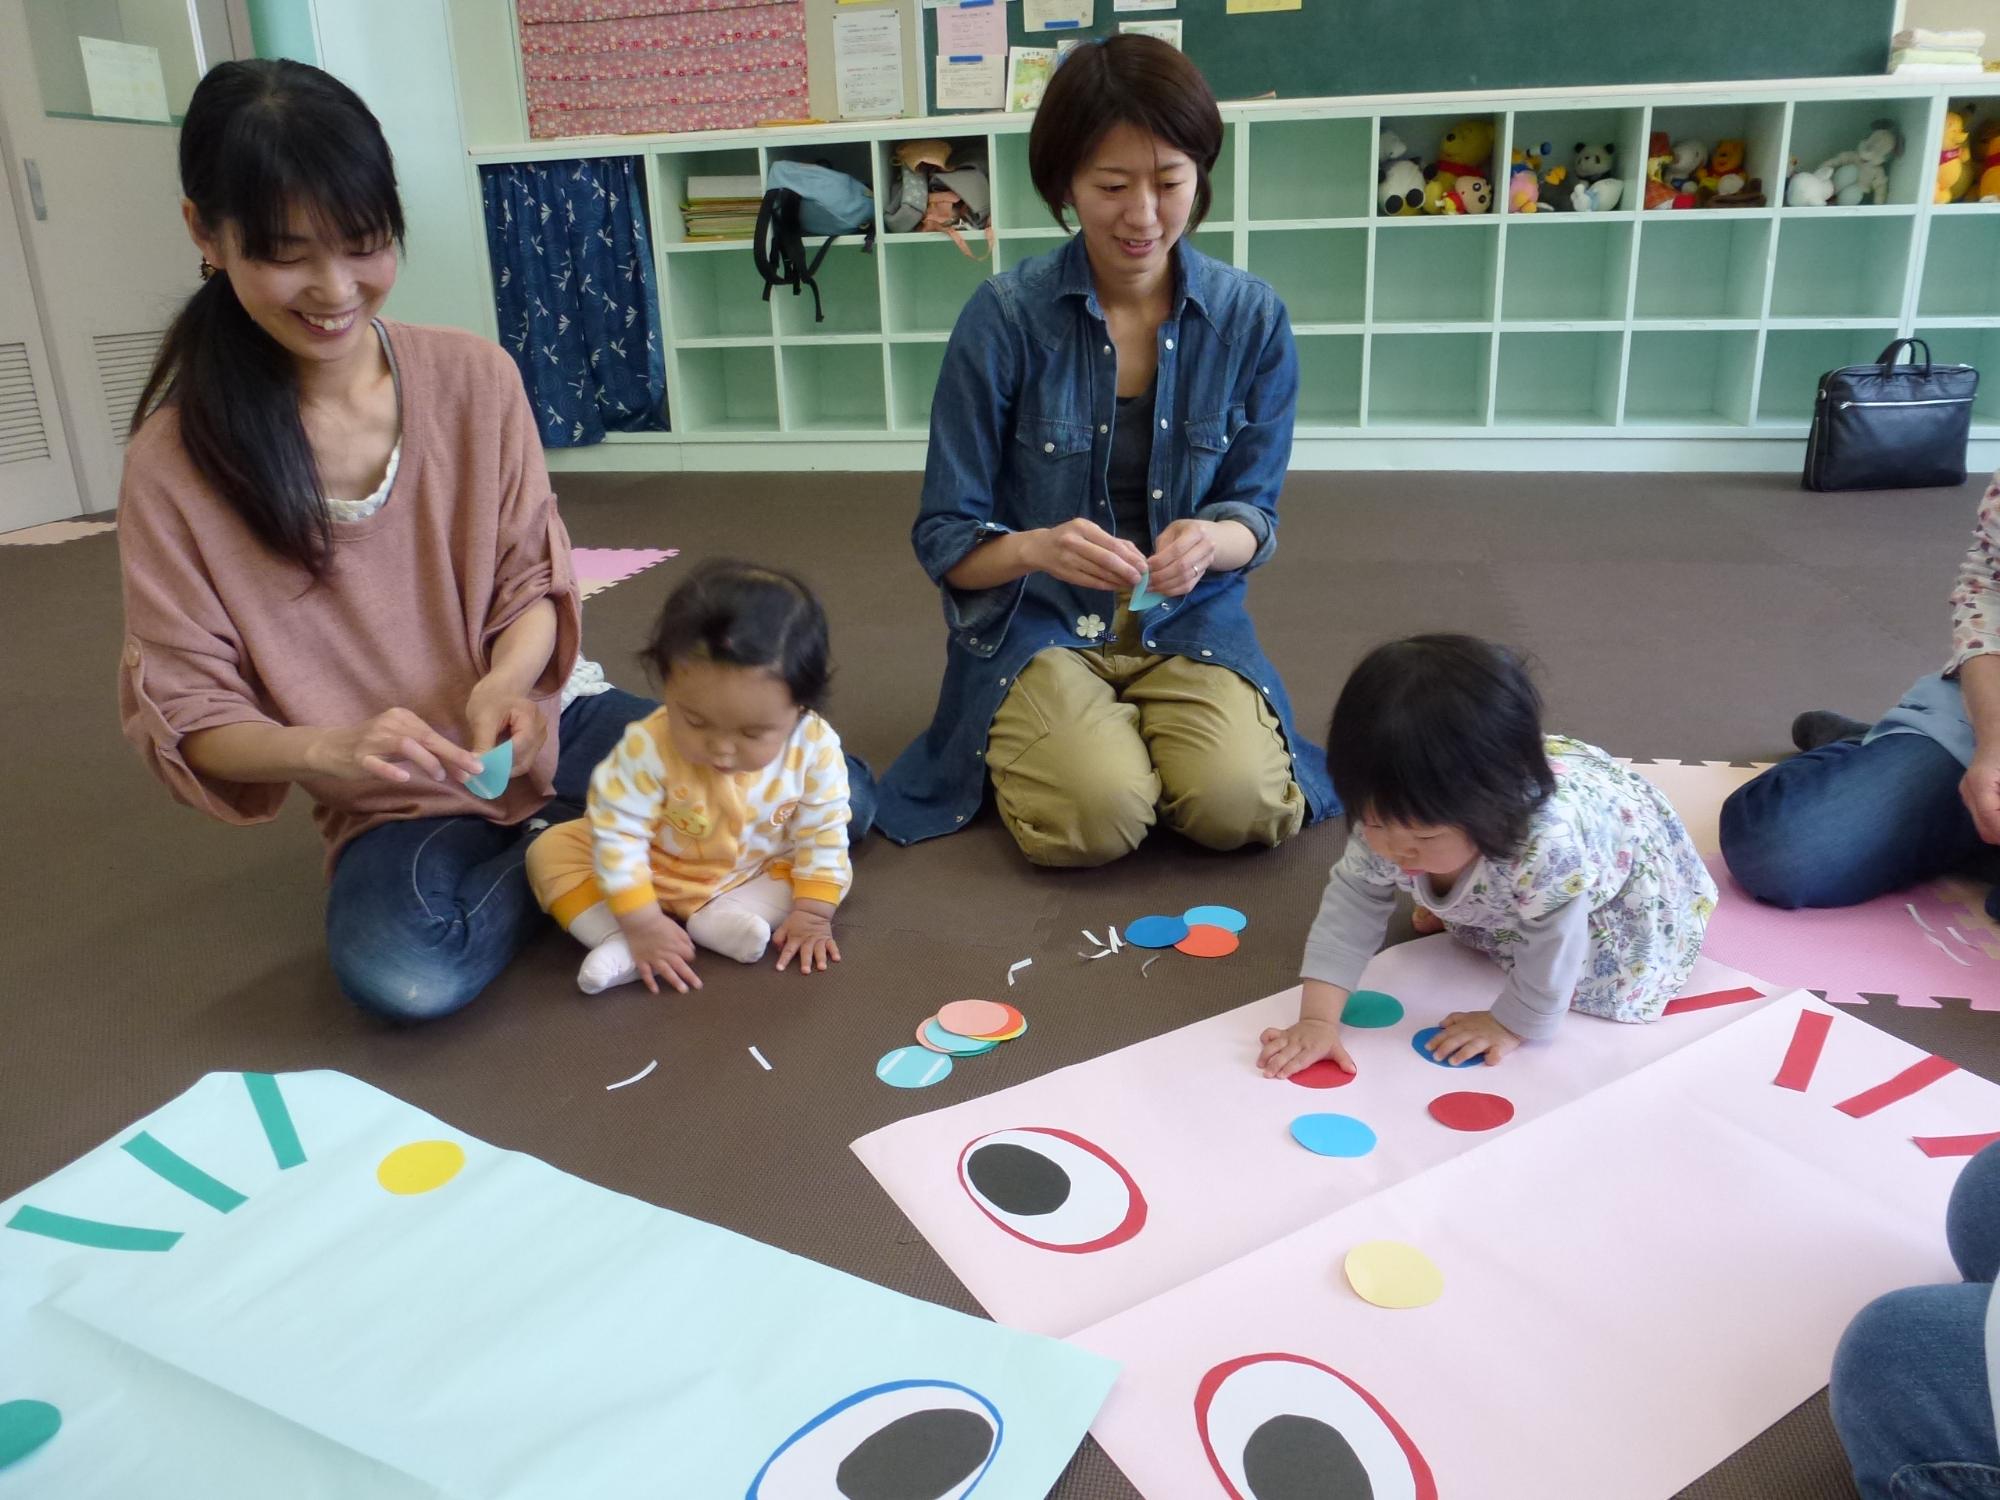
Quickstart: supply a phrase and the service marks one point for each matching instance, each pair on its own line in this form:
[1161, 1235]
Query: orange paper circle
[977, 1018]
[1208, 942]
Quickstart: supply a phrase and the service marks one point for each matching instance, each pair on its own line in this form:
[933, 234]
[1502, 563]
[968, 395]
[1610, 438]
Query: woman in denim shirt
[1118, 409]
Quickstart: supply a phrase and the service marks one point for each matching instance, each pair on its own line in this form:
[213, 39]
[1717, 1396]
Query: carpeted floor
[1673, 618]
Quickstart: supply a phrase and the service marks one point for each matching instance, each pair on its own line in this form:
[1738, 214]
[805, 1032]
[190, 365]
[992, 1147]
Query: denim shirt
[1021, 438]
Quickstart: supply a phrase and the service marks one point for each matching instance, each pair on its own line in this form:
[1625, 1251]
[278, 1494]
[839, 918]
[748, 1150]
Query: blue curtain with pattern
[573, 281]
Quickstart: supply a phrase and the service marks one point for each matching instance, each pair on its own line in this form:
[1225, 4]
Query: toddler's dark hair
[1445, 731]
[738, 614]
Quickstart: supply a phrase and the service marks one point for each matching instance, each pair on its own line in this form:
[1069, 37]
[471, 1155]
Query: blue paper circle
[1371, 1010]
[1156, 932]
[954, 1044]
[913, 1067]
[1425, 1035]
[1228, 918]
[1333, 1135]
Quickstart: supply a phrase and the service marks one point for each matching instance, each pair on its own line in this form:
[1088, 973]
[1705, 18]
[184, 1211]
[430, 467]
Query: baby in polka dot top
[720, 821]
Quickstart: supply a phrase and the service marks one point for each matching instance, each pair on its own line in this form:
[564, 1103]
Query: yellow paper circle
[1389, 1273]
[420, 1166]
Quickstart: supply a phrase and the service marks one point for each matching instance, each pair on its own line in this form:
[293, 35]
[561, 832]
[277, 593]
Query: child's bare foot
[1425, 921]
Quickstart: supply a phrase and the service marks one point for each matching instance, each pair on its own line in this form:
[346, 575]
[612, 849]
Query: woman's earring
[206, 269]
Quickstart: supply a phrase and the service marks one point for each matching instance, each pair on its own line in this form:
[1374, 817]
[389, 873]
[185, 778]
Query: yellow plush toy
[1465, 151]
[1986, 153]
[1955, 173]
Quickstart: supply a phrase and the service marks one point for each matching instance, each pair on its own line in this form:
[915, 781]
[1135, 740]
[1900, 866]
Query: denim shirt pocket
[1053, 461]
[1208, 440]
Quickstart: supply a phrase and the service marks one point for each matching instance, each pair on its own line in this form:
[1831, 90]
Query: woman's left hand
[496, 714]
[1184, 552]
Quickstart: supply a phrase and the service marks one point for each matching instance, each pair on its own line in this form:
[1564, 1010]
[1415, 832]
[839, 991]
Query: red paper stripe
[1954, 1145]
[1916, 1076]
[1710, 1000]
[1803, 1055]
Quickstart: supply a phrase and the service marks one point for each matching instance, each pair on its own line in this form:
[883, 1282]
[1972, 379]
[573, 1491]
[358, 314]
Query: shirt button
[1048, 447]
[1163, 424]
[958, 818]
[1225, 442]
[1151, 644]
[1107, 348]
[1170, 343]
[974, 641]
[1158, 493]
[1208, 653]
[1003, 682]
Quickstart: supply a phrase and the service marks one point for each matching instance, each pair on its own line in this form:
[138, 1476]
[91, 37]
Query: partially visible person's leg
[1225, 772]
[1910, 1398]
[1071, 776]
[738, 923]
[423, 914]
[1847, 822]
[1972, 1222]
[591, 729]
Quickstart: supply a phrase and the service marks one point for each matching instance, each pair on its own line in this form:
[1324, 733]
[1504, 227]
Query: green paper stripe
[276, 1119]
[92, 1232]
[151, 1154]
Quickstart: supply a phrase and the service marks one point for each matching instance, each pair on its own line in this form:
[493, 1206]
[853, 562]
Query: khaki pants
[1091, 747]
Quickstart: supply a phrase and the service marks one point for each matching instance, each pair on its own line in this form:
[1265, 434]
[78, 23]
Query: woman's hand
[807, 934]
[496, 714]
[1085, 554]
[1466, 1034]
[389, 747]
[1185, 551]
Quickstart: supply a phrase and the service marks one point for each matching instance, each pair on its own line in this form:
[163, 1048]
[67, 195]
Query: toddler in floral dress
[1571, 871]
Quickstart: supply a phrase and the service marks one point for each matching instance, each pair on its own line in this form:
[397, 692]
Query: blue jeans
[425, 913]
[1909, 1393]
[1849, 822]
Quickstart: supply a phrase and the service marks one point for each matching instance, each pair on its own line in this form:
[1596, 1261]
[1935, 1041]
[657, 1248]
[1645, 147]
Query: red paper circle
[1472, 1111]
[1203, 941]
[1324, 1074]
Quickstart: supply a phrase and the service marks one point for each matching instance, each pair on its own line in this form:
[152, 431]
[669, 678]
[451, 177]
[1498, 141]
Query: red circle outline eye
[1052, 1189]
[1239, 1404]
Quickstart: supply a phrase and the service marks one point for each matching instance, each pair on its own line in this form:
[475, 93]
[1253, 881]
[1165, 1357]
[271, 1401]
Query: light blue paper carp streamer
[494, 770]
[1143, 597]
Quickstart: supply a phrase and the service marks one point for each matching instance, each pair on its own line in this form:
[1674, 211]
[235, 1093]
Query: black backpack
[807, 198]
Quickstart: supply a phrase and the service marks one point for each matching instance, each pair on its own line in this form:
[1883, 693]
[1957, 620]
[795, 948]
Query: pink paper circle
[972, 1017]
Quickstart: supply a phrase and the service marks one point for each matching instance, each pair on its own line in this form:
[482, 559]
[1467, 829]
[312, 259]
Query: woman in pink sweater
[342, 560]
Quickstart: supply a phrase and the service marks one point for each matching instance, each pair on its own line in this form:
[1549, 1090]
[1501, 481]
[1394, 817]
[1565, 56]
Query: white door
[94, 174]
[37, 483]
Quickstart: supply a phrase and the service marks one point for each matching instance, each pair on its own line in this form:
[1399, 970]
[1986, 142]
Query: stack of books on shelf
[1924, 53]
[722, 208]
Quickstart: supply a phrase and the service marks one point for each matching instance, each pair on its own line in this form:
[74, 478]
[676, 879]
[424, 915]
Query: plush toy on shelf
[1659, 157]
[1955, 169]
[1402, 189]
[1391, 149]
[1860, 175]
[1595, 189]
[1524, 180]
[1683, 170]
[1723, 174]
[1465, 151]
[1986, 152]
[1468, 194]
[1809, 189]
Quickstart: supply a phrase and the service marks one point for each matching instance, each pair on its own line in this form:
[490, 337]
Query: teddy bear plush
[1465, 151]
[1724, 173]
[1860, 175]
[1987, 153]
[1682, 172]
[1809, 189]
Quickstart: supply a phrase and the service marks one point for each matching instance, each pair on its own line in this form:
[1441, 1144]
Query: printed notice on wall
[868, 63]
[125, 80]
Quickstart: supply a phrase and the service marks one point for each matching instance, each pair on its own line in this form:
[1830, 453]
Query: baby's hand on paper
[808, 935]
[1466, 1034]
[1290, 1048]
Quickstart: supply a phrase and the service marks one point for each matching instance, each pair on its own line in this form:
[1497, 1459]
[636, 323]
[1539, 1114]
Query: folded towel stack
[1931, 53]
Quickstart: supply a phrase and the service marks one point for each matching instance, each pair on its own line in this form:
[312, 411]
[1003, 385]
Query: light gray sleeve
[1353, 917]
[1545, 967]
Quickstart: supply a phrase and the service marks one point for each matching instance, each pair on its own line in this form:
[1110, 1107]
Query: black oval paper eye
[1053, 1189]
[907, 1440]
[1283, 1427]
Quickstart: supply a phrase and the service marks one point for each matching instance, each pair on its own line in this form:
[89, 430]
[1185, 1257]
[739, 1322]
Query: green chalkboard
[1333, 47]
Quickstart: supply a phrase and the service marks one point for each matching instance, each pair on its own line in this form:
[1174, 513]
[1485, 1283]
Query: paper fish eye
[1053, 1189]
[1275, 1425]
[908, 1438]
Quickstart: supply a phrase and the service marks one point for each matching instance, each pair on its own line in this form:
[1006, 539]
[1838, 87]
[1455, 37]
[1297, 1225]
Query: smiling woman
[343, 565]
[1109, 436]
